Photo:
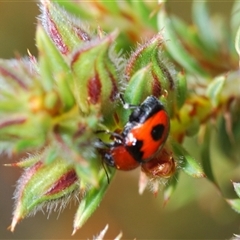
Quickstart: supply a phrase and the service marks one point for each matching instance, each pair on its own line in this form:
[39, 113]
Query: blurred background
[201, 214]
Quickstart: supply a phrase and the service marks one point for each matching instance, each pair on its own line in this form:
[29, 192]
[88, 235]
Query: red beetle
[142, 137]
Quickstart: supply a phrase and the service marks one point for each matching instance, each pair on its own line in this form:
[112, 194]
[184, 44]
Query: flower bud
[55, 72]
[95, 75]
[42, 184]
[148, 73]
[65, 31]
[156, 78]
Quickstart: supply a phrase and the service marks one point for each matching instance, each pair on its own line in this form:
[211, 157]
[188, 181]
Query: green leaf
[74, 9]
[25, 144]
[54, 70]
[214, 90]
[187, 162]
[65, 31]
[41, 184]
[88, 173]
[237, 41]
[181, 89]
[142, 10]
[236, 188]
[205, 155]
[137, 87]
[235, 20]
[229, 134]
[170, 187]
[50, 154]
[28, 162]
[235, 204]
[143, 55]
[193, 127]
[95, 74]
[175, 47]
[135, 92]
[91, 201]
[204, 25]
[191, 40]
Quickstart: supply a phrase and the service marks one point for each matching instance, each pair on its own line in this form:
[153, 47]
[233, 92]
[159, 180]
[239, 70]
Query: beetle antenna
[125, 104]
[106, 172]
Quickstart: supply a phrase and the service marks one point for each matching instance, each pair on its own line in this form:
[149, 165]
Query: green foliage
[70, 92]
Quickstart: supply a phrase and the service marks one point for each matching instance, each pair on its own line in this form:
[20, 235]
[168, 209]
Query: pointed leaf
[65, 30]
[236, 188]
[235, 20]
[170, 187]
[147, 51]
[28, 162]
[134, 93]
[175, 47]
[91, 201]
[95, 74]
[235, 204]
[181, 89]
[205, 155]
[214, 90]
[188, 163]
[54, 69]
[203, 21]
[72, 8]
[42, 184]
[237, 41]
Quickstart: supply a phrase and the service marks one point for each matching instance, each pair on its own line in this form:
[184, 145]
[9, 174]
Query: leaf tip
[16, 219]
[74, 231]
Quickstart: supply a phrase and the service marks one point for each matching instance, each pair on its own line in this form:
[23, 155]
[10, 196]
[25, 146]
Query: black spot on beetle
[135, 150]
[157, 132]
